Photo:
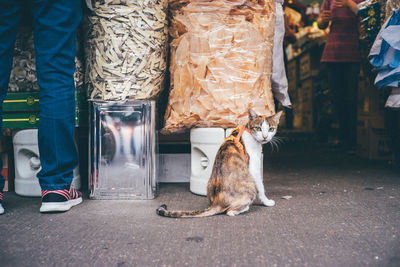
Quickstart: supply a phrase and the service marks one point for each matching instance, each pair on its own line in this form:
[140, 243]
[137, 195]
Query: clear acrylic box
[122, 150]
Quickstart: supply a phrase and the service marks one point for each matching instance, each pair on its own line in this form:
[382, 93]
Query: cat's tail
[212, 210]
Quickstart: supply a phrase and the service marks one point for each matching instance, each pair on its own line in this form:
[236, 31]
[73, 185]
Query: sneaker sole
[59, 206]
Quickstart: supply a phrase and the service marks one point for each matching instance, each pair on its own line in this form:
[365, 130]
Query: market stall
[314, 110]
[219, 65]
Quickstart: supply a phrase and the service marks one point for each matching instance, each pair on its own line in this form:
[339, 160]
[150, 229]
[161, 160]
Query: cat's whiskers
[272, 145]
[281, 140]
[276, 145]
[275, 142]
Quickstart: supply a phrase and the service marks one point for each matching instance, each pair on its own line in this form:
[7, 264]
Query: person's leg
[9, 18]
[337, 83]
[55, 23]
[350, 104]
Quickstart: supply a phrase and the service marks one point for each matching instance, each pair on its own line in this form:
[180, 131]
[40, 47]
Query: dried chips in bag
[221, 62]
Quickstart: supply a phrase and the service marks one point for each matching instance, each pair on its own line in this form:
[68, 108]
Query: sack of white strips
[126, 49]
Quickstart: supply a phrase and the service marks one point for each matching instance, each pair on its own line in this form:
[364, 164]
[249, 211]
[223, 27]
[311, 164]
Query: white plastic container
[228, 132]
[27, 164]
[205, 143]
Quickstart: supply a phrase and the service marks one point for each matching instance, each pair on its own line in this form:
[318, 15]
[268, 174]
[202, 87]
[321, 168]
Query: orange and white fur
[236, 180]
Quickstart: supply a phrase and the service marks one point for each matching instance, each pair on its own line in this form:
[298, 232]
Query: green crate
[31, 119]
[21, 120]
[81, 117]
[28, 101]
[21, 110]
[81, 100]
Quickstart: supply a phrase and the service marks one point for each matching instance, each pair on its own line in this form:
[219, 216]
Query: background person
[342, 56]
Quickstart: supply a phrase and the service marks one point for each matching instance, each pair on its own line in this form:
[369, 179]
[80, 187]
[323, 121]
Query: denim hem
[52, 187]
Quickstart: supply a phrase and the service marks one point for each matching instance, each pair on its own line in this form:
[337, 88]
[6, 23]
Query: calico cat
[236, 179]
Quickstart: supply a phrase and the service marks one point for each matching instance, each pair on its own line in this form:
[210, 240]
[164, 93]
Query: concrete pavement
[338, 210]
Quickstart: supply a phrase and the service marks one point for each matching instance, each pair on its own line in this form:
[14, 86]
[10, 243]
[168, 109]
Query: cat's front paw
[268, 202]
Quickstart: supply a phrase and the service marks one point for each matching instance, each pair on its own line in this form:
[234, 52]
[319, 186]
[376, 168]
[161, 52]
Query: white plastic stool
[27, 164]
[205, 143]
[228, 132]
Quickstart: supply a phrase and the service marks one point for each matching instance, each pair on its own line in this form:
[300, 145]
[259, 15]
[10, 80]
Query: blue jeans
[54, 25]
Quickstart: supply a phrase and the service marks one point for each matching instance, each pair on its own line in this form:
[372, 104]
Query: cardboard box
[379, 145]
[363, 101]
[379, 139]
[292, 72]
[292, 89]
[307, 94]
[371, 100]
[304, 66]
[303, 108]
[309, 63]
[363, 136]
[297, 105]
[308, 105]
[373, 138]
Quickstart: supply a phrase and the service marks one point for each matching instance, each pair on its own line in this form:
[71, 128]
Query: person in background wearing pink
[342, 56]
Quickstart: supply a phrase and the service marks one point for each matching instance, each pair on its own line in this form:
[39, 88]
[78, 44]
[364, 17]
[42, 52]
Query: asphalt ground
[332, 209]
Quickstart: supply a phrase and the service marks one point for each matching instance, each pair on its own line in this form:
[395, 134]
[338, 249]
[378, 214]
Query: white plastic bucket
[205, 143]
[27, 164]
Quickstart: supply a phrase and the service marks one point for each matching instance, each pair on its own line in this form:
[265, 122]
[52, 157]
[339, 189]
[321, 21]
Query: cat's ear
[277, 116]
[252, 114]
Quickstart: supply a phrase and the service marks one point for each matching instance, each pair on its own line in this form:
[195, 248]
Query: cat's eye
[257, 128]
[271, 129]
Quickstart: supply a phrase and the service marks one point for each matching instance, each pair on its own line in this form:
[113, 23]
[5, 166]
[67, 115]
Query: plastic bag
[385, 53]
[126, 49]
[279, 80]
[23, 77]
[221, 62]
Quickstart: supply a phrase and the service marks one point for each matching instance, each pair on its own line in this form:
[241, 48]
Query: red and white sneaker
[60, 200]
[1, 207]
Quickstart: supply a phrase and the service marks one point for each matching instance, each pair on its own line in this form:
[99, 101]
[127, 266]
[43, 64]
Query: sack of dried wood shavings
[126, 49]
[221, 62]
[23, 76]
